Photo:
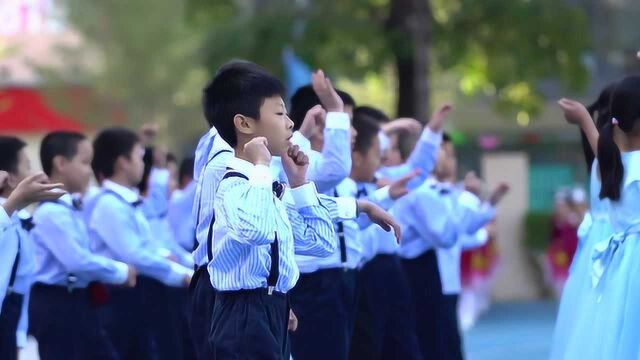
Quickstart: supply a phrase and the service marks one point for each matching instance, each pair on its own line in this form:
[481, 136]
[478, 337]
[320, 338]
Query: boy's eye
[280, 113]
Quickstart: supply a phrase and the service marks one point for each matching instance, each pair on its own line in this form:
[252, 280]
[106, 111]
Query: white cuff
[178, 273]
[305, 195]
[382, 197]
[164, 252]
[347, 208]
[301, 141]
[21, 339]
[261, 176]
[337, 120]
[122, 273]
[431, 137]
[159, 176]
[468, 199]
[488, 211]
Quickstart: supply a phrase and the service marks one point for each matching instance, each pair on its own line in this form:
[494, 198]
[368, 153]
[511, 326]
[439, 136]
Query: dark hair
[63, 143]
[367, 131]
[108, 146]
[171, 157]
[147, 159]
[239, 87]
[10, 146]
[186, 170]
[446, 138]
[372, 112]
[305, 98]
[625, 108]
[601, 108]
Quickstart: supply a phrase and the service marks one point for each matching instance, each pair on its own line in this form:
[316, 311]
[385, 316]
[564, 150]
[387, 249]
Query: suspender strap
[343, 244]
[14, 269]
[274, 272]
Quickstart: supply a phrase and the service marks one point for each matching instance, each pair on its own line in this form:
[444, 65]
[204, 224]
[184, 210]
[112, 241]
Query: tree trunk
[409, 27]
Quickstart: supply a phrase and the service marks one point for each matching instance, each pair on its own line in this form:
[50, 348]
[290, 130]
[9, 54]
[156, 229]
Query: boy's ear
[58, 162]
[356, 158]
[244, 125]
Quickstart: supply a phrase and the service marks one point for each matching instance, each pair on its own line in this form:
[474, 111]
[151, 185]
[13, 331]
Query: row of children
[296, 216]
[598, 317]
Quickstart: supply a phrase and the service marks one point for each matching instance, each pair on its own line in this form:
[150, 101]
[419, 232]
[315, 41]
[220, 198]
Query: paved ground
[512, 331]
[508, 331]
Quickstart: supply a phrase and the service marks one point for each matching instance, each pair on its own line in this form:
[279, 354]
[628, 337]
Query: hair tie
[614, 121]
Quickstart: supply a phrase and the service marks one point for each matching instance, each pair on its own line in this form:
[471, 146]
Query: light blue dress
[594, 227]
[607, 322]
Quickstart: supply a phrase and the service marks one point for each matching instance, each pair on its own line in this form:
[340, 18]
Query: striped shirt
[249, 218]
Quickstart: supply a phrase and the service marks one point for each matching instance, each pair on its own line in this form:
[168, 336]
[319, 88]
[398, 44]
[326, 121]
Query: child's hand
[472, 183]
[293, 322]
[574, 112]
[313, 121]
[328, 96]
[32, 189]
[148, 133]
[439, 117]
[257, 152]
[295, 164]
[378, 216]
[411, 125]
[398, 188]
[499, 193]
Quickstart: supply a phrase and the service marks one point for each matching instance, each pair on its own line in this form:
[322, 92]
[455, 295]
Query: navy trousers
[385, 325]
[66, 325]
[9, 317]
[202, 297]
[325, 304]
[250, 324]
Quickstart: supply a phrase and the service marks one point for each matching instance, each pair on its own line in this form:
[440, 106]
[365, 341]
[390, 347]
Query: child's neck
[239, 152]
[57, 179]
[121, 179]
[358, 177]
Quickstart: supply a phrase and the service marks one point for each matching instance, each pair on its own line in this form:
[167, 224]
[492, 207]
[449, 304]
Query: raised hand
[313, 121]
[380, 217]
[500, 191]
[257, 152]
[148, 133]
[32, 189]
[398, 188]
[327, 94]
[295, 164]
[574, 112]
[410, 125]
[439, 117]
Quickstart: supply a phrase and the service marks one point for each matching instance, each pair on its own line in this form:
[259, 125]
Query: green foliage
[537, 230]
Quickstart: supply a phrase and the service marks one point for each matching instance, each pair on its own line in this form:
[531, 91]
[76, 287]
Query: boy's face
[275, 125]
[76, 171]
[23, 169]
[446, 163]
[132, 166]
[366, 164]
[392, 155]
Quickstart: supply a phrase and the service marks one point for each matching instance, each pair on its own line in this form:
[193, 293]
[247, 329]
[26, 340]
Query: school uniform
[17, 254]
[450, 341]
[180, 217]
[432, 218]
[253, 265]
[330, 166]
[384, 327]
[211, 156]
[7, 255]
[65, 267]
[325, 298]
[134, 317]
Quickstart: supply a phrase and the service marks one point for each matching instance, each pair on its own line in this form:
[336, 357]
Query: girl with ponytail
[607, 320]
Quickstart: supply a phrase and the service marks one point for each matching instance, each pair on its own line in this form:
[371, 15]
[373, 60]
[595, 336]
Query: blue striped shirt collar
[240, 165]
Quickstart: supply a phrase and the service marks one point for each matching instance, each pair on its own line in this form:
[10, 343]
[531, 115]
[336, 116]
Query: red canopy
[24, 110]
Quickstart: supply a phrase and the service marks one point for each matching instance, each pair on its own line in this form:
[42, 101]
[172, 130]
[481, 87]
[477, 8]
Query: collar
[126, 193]
[20, 214]
[241, 166]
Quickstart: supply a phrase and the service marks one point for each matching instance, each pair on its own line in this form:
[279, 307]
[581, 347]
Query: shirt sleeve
[125, 241]
[156, 203]
[340, 208]
[23, 323]
[311, 224]
[57, 231]
[334, 163]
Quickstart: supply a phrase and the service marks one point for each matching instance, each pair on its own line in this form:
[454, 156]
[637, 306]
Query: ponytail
[610, 163]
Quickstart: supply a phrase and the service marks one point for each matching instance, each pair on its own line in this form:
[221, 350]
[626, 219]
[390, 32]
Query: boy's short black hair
[305, 98]
[10, 146]
[367, 129]
[147, 159]
[64, 143]
[375, 114]
[108, 146]
[186, 169]
[239, 87]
